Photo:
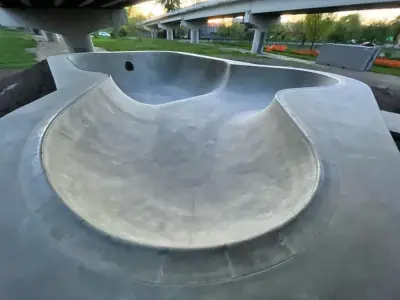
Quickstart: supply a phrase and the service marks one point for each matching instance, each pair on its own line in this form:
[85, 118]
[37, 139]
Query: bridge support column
[258, 41]
[153, 31]
[169, 29]
[194, 36]
[194, 28]
[51, 37]
[33, 31]
[74, 24]
[261, 24]
[79, 43]
[170, 34]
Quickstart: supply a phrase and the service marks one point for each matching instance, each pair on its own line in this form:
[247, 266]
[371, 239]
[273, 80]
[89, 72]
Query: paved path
[287, 58]
[45, 49]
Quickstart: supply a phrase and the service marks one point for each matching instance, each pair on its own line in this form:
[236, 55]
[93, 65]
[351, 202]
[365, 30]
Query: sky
[151, 7]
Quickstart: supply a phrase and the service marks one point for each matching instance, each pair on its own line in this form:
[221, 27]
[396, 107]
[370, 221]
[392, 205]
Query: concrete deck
[222, 180]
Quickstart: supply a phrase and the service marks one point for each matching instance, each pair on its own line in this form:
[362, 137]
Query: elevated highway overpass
[74, 19]
[259, 14]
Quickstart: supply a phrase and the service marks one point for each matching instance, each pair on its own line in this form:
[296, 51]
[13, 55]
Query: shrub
[123, 31]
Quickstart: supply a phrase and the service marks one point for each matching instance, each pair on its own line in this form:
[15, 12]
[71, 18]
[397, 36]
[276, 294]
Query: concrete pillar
[194, 36]
[74, 25]
[154, 33]
[79, 43]
[170, 34]
[34, 31]
[51, 37]
[261, 24]
[194, 27]
[258, 41]
[170, 30]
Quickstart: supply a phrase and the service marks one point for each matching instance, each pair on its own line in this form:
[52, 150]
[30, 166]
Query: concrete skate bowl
[212, 192]
[183, 152]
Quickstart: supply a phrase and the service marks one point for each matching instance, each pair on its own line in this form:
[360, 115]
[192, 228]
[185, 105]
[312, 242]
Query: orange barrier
[276, 48]
[385, 62]
[306, 52]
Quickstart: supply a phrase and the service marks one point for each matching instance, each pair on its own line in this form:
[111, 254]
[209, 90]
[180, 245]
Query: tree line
[315, 28]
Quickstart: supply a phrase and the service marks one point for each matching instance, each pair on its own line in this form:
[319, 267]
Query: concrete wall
[353, 57]
[25, 87]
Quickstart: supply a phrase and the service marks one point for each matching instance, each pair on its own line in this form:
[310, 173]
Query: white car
[104, 34]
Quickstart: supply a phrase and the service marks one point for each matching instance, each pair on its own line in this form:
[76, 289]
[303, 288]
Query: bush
[123, 31]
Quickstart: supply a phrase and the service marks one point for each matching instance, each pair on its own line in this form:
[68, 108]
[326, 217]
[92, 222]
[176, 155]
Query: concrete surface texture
[221, 181]
[199, 168]
[353, 57]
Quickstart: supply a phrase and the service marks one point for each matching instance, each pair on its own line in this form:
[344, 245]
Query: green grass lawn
[385, 70]
[305, 57]
[162, 44]
[12, 49]
[238, 44]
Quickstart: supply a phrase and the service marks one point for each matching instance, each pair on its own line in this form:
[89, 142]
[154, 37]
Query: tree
[395, 28]
[297, 31]
[237, 31]
[376, 32]
[223, 30]
[278, 32]
[170, 5]
[135, 16]
[233, 30]
[318, 26]
[346, 29]
[353, 27]
[338, 33]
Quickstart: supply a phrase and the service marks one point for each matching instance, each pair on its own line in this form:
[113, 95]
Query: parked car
[104, 34]
[368, 44]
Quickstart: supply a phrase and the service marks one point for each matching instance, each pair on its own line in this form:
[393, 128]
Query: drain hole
[129, 66]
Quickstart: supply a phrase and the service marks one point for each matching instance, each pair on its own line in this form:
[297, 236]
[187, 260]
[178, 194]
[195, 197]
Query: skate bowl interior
[183, 152]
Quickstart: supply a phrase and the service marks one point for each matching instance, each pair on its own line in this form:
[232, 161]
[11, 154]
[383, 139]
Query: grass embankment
[12, 49]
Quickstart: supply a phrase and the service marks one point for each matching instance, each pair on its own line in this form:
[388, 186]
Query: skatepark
[167, 175]
[198, 188]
